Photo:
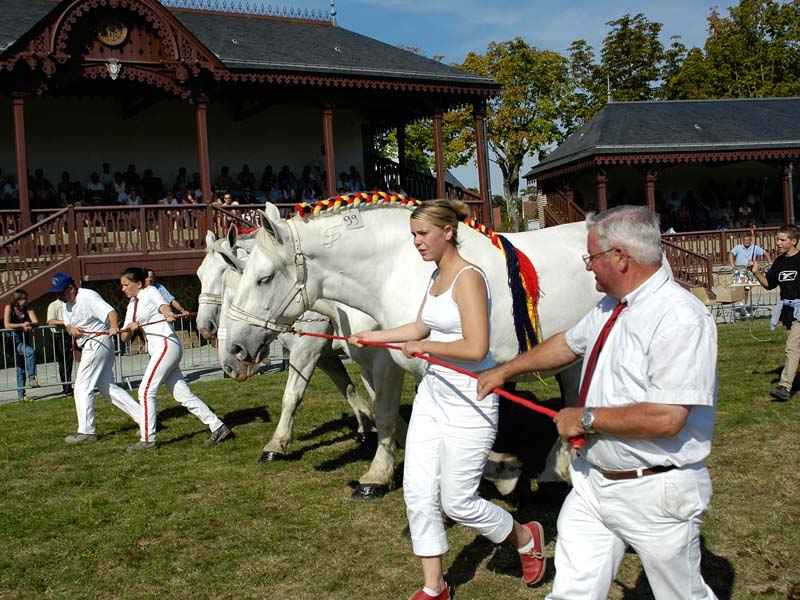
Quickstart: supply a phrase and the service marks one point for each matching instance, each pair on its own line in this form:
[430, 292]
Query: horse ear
[210, 239]
[233, 235]
[272, 211]
[271, 224]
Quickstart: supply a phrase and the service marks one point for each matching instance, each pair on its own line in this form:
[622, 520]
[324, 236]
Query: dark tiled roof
[263, 43]
[680, 126]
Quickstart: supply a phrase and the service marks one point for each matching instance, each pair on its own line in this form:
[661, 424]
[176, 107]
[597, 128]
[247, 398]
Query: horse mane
[357, 200]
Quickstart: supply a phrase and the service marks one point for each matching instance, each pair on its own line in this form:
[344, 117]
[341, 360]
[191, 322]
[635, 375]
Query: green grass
[188, 521]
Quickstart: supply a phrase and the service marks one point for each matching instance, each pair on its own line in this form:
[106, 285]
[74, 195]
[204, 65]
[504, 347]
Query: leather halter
[277, 322]
[213, 299]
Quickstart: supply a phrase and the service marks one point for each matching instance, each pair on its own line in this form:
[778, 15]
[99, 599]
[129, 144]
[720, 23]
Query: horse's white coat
[219, 275]
[377, 270]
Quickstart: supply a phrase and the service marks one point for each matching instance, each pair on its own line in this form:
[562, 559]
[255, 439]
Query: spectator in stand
[62, 344]
[288, 194]
[276, 193]
[169, 199]
[354, 183]
[152, 187]
[118, 188]
[40, 186]
[266, 179]
[95, 188]
[131, 177]
[228, 200]
[308, 195]
[21, 319]
[224, 181]
[65, 185]
[344, 182]
[168, 298]
[285, 174]
[181, 181]
[248, 197]
[106, 176]
[246, 178]
[9, 191]
[197, 187]
[133, 197]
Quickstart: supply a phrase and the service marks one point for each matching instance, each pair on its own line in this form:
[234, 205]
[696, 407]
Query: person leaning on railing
[21, 319]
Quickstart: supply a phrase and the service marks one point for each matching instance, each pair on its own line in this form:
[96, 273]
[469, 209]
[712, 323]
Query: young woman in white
[147, 306]
[451, 432]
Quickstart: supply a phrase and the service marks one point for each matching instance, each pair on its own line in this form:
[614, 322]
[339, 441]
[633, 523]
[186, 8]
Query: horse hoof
[367, 438]
[271, 456]
[369, 492]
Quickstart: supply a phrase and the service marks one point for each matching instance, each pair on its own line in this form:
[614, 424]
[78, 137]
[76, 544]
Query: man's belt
[636, 473]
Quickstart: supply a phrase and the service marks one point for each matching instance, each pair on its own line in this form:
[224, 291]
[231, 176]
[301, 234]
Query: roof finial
[609, 99]
[333, 13]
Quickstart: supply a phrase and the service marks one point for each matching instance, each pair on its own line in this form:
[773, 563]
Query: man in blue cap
[92, 322]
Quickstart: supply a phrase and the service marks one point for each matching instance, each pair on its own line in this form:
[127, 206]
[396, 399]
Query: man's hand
[113, 330]
[489, 380]
[568, 423]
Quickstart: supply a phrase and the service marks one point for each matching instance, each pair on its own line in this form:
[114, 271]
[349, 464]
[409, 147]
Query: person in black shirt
[784, 274]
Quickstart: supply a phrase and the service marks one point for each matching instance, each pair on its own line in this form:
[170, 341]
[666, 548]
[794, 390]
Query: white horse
[363, 257]
[218, 274]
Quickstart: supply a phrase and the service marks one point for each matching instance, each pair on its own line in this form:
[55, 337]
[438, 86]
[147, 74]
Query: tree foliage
[525, 118]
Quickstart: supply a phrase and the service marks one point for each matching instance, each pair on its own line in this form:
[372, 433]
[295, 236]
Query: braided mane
[355, 200]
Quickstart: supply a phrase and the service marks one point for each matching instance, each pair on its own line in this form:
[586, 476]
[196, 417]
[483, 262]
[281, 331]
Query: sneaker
[533, 561]
[79, 438]
[138, 446]
[781, 394]
[443, 595]
[220, 434]
[34, 383]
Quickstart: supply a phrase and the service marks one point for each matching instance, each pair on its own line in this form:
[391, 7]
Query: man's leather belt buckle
[636, 473]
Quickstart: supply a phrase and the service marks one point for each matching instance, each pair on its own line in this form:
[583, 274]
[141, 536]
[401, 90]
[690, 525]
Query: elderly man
[92, 321]
[646, 410]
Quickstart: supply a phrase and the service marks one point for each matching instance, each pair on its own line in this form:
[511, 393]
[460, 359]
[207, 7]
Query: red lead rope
[577, 442]
[180, 316]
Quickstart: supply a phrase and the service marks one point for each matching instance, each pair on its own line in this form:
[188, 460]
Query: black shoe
[781, 394]
[220, 434]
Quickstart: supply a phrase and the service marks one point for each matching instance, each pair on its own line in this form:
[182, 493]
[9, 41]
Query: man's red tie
[598, 346]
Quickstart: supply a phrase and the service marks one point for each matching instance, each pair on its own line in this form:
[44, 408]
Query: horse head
[273, 290]
[221, 255]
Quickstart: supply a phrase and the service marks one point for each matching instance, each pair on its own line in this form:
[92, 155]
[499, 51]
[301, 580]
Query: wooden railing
[560, 210]
[716, 244]
[689, 268]
[385, 173]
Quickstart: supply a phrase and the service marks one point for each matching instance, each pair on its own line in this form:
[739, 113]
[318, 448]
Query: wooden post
[787, 194]
[201, 110]
[401, 154]
[602, 187]
[18, 107]
[481, 146]
[330, 162]
[650, 188]
[438, 151]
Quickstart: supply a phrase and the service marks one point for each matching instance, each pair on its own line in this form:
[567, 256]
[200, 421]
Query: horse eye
[265, 280]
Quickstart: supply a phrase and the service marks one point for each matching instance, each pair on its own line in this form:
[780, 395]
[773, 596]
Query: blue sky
[453, 28]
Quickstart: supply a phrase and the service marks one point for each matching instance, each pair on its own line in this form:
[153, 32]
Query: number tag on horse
[352, 219]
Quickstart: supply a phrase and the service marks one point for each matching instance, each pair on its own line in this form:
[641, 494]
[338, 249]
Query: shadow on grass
[331, 426]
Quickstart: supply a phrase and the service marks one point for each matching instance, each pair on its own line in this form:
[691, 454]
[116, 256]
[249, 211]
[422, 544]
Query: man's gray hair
[634, 228]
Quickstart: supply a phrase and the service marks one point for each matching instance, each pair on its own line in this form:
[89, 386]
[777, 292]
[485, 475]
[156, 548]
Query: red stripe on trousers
[147, 389]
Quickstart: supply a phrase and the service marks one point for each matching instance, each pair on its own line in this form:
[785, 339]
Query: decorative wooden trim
[237, 8]
[142, 75]
[670, 159]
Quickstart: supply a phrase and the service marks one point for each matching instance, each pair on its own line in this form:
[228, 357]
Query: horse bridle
[278, 322]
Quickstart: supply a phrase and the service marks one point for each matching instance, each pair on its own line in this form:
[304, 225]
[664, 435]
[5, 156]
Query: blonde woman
[451, 431]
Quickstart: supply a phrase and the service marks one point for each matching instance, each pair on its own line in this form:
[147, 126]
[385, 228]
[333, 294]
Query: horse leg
[561, 455]
[304, 353]
[388, 380]
[332, 366]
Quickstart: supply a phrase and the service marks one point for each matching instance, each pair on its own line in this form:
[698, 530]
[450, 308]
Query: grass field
[187, 521]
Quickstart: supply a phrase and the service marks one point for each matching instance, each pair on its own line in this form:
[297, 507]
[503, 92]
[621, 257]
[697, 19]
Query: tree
[752, 53]
[631, 62]
[524, 119]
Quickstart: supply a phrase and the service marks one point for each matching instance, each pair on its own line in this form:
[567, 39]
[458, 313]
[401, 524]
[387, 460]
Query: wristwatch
[587, 421]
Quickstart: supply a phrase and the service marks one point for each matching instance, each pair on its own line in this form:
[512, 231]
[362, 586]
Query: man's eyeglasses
[588, 259]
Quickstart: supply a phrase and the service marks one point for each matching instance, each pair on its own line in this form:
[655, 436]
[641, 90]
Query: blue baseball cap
[61, 281]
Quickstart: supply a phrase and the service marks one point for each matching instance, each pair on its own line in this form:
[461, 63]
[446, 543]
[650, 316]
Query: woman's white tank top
[441, 315]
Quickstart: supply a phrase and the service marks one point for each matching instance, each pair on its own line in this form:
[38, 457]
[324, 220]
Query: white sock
[430, 592]
[526, 548]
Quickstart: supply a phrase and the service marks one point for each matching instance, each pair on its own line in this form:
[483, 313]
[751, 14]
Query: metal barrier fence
[52, 347]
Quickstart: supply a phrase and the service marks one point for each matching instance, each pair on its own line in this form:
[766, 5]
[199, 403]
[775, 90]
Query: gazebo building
[721, 163]
[195, 85]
